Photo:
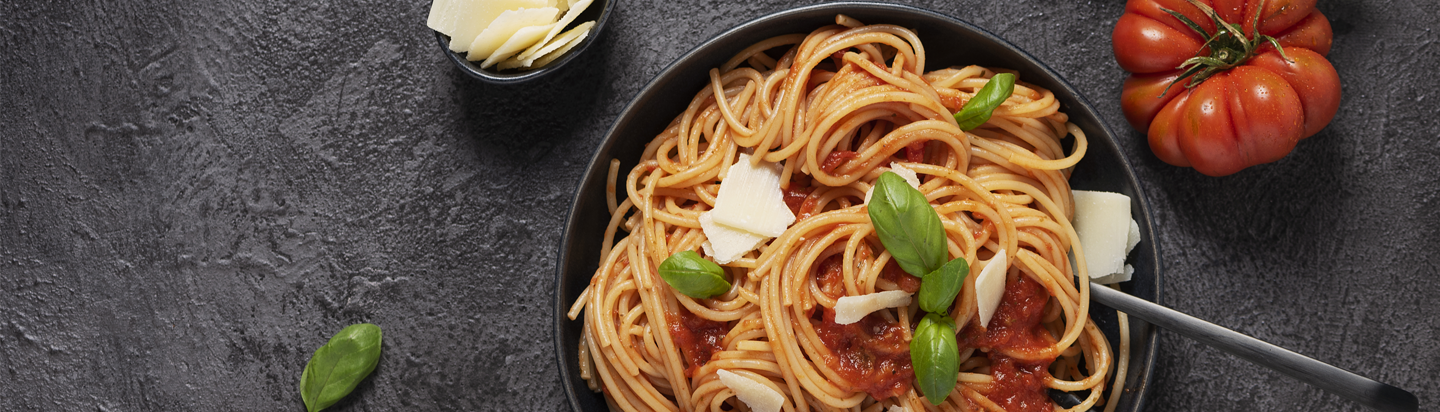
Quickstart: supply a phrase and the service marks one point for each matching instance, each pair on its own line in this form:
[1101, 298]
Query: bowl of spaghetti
[832, 96]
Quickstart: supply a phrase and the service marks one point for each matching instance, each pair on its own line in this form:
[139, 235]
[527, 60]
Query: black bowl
[948, 42]
[598, 11]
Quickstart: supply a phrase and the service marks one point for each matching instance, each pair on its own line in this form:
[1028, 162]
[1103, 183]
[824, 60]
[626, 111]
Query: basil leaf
[939, 288]
[338, 366]
[935, 357]
[693, 275]
[977, 111]
[907, 225]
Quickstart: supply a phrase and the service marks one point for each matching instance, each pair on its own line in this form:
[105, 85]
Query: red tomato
[1253, 107]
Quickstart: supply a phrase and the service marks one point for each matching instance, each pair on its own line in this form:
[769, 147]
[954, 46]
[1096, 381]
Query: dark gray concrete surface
[195, 195]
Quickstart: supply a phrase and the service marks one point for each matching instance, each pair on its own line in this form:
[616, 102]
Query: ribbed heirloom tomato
[1213, 93]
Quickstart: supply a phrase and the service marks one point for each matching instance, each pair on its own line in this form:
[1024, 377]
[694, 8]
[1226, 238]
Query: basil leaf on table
[939, 288]
[977, 111]
[340, 365]
[935, 357]
[693, 275]
[907, 225]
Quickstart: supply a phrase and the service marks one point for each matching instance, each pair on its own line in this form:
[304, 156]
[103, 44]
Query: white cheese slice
[443, 14]
[542, 61]
[1116, 277]
[1102, 220]
[559, 4]
[904, 172]
[725, 244]
[536, 51]
[506, 26]
[474, 16]
[897, 408]
[522, 39]
[1133, 238]
[750, 199]
[850, 309]
[756, 395]
[565, 41]
[990, 287]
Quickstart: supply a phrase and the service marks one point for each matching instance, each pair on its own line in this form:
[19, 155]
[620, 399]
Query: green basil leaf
[907, 225]
[935, 357]
[939, 288]
[977, 111]
[338, 366]
[693, 275]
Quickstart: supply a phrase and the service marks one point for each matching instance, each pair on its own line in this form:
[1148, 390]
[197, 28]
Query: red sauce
[892, 272]
[837, 158]
[795, 197]
[915, 152]
[698, 338]
[831, 276]
[1019, 385]
[872, 354]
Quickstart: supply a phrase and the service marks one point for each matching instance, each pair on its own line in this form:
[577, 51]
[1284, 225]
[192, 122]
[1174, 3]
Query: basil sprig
[693, 275]
[907, 225]
[939, 287]
[338, 366]
[935, 356]
[977, 111]
[911, 231]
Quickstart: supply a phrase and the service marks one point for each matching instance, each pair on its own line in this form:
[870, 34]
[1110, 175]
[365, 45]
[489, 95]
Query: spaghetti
[837, 107]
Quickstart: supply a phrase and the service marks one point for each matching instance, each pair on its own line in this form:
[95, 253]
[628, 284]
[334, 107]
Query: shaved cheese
[523, 38]
[443, 14]
[1133, 238]
[750, 199]
[1107, 234]
[1112, 278]
[904, 172]
[551, 56]
[474, 16]
[725, 243]
[990, 286]
[850, 309]
[756, 395]
[897, 408]
[570, 15]
[507, 25]
[566, 41]
[559, 4]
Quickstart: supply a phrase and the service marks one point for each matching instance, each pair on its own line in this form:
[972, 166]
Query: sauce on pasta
[834, 109]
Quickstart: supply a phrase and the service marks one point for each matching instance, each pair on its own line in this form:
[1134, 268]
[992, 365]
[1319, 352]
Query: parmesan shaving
[750, 199]
[756, 395]
[726, 243]
[990, 287]
[850, 309]
[536, 50]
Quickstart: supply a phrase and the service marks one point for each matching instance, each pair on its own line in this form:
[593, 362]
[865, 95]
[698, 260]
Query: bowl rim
[1140, 206]
[490, 76]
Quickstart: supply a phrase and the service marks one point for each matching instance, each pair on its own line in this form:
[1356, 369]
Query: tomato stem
[1229, 46]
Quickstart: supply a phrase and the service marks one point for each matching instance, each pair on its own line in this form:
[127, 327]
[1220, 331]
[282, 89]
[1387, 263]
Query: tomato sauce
[1019, 384]
[837, 158]
[915, 152]
[698, 338]
[872, 354]
[907, 282]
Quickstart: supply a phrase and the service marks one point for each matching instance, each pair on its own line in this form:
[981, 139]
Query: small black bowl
[598, 11]
[948, 41]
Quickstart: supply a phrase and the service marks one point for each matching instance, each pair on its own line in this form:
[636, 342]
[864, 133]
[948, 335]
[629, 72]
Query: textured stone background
[195, 195]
